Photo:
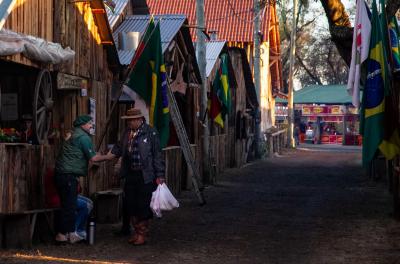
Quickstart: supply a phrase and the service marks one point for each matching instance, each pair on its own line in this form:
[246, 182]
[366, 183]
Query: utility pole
[290, 139]
[201, 58]
[256, 64]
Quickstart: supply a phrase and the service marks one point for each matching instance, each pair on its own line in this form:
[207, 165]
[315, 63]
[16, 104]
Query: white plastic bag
[162, 200]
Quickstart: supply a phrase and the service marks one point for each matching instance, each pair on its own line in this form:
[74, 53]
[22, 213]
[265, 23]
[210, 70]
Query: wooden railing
[275, 141]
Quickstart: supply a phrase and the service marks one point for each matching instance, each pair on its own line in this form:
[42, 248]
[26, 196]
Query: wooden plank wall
[100, 179]
[22, 172]
[218, 156]
[239, 105]
[33, 17]
[173, 168]
[74, 26]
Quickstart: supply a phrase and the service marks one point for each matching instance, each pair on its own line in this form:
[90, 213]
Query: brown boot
[134, 237]
[142, 232]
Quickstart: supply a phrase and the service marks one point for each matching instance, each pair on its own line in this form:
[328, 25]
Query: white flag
[139, 102]
[359, 51]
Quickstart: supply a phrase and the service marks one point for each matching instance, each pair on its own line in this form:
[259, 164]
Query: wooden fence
[275, 141]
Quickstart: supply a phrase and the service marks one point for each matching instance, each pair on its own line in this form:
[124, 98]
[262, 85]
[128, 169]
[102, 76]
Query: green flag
[149, 79]
[373, 102]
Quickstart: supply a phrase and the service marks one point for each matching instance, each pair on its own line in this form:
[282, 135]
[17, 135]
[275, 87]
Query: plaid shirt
[133, 148]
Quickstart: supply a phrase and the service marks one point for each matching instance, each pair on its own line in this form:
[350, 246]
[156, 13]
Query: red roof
[232, 19]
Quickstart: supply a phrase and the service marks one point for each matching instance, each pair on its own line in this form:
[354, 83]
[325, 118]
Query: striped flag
[220, 103]
[360, 50]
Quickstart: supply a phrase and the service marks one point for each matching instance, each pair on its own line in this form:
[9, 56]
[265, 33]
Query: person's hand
[160, 180]
[109, 155]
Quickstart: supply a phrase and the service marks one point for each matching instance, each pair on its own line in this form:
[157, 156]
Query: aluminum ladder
[185, 144]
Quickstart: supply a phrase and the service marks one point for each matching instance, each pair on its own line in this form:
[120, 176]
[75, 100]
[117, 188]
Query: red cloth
[52, 199]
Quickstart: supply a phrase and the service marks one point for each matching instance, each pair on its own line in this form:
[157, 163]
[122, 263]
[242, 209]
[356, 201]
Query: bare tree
[317, 59]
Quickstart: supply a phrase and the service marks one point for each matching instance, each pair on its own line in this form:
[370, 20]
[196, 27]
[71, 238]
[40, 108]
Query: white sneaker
[82, 234]
[74, 238]
[61, 237]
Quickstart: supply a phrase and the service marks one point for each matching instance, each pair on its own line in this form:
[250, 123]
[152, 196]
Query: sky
[322, 23]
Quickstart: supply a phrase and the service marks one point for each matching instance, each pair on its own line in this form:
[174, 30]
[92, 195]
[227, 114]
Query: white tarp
[33, 48]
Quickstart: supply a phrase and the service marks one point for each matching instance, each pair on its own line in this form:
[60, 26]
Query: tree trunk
[340, 27]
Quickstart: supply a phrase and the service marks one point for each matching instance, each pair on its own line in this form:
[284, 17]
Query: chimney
[128, 40]
[213, 35]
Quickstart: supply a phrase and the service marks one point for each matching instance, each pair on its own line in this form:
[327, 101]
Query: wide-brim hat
[133, 113]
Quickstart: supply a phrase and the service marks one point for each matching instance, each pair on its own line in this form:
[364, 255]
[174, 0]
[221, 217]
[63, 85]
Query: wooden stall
[242, 120]
[237, 32]
[231, 145]
[184, 77]
[53, 94]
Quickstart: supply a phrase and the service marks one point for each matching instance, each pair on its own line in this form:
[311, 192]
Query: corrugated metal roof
[5, 9]
[232, 19]
[170, 25]
[213, 50]
[320, 94]
[119, 8]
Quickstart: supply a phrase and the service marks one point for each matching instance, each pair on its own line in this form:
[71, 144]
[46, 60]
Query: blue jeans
[83, 208]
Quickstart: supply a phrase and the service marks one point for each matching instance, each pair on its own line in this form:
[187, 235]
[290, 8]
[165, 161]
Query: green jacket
[75, 154]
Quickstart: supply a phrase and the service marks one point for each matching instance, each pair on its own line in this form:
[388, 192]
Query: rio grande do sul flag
[360, 50]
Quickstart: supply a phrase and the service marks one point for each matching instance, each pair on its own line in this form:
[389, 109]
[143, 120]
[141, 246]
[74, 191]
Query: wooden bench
[19, 229]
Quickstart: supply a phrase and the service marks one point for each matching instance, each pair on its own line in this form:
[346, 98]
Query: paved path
[302, 207]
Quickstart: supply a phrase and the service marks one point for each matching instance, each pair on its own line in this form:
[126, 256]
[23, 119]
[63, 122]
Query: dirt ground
[301, 207]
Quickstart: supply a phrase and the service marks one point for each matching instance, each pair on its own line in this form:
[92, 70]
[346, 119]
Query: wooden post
[271, 145]
[396, 202]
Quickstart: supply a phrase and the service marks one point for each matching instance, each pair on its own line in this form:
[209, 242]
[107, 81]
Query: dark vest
[71, 159]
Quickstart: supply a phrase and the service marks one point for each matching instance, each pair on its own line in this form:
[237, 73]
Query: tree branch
[314, 77]
[339, 27]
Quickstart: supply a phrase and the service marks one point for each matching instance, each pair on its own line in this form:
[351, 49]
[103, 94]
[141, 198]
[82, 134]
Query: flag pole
[131, 66]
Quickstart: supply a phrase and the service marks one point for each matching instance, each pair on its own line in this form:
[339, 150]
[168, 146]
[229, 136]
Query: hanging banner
[323, 110]
[92, 113]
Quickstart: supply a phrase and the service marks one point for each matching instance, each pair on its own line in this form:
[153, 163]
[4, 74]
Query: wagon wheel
[42, 106]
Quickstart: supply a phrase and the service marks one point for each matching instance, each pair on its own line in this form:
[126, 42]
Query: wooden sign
[68, 82]
[322, 110]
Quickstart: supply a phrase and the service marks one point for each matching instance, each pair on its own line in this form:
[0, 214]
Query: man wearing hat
[142, 166]
[26, 132]
[72, 163]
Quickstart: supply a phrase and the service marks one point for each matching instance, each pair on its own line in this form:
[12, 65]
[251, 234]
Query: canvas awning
[34, 48]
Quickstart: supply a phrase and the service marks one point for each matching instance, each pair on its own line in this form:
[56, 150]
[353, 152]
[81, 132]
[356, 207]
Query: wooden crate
[108, 206]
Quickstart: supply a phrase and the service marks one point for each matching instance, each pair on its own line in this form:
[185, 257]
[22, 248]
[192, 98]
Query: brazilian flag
[394, 43]
[373, 101]
[149, 79]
